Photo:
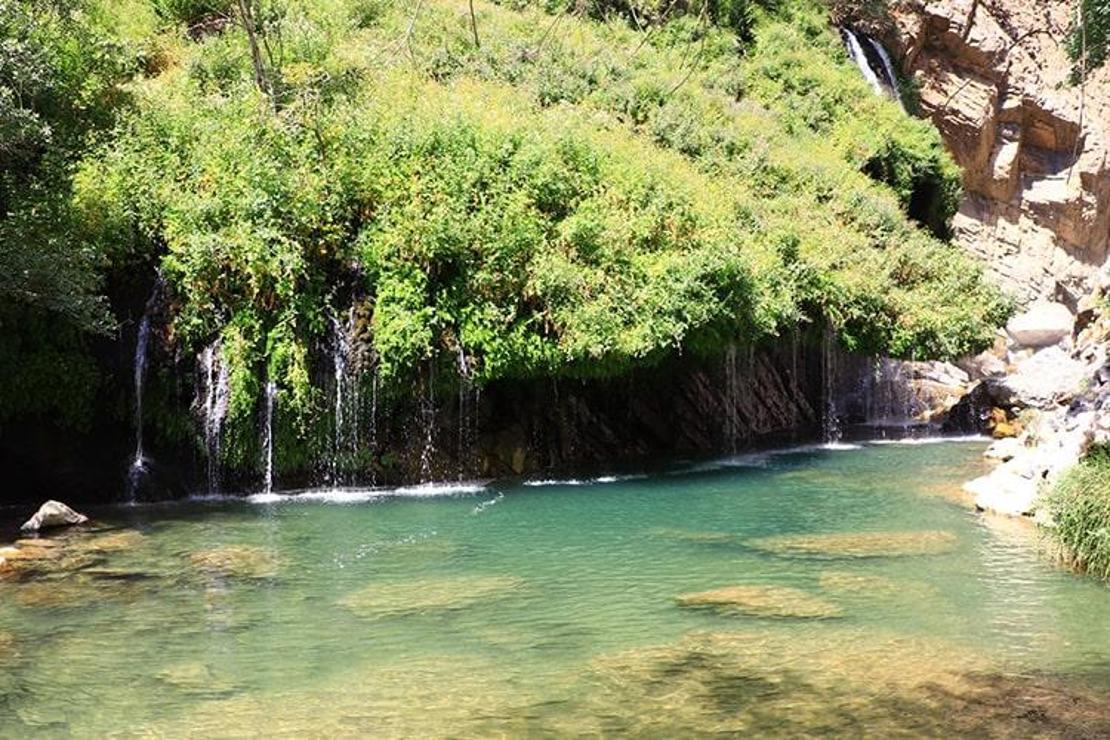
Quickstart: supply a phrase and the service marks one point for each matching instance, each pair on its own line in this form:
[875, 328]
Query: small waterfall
[374, 383]
[855, 50]
[213, 408]
[142, 342]
[732, 398]
[268, 437]
[891, 401]
[830, 424]
[428, 412]
[464, 409]
[347, 405]
[888, 69]
[882, 80]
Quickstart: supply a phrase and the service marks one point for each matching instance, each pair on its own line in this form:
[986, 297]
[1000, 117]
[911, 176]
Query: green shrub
[1080, 507]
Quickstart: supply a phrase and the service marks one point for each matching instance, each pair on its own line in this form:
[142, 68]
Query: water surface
[549, 607]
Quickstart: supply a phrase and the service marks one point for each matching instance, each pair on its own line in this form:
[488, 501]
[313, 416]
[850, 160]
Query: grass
[1080, 507]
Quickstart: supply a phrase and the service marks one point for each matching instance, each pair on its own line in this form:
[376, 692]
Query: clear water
[551, 610]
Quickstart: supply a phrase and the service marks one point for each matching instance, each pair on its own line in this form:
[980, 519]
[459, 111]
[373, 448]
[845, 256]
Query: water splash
[213, 408]
[268, 438]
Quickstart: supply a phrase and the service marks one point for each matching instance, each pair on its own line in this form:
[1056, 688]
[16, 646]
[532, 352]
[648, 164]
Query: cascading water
[429, 419]
[142, 342]
[213, 408]
[732, 398]
[855, 50]
[882, 80]
[888, 69]
[830, 423]
[464, 409]
[268, 437]
[347, 402]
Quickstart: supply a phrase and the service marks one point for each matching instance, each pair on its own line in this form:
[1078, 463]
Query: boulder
[1004, 449]
[984, 365]
[1044, 324]
[51, 515]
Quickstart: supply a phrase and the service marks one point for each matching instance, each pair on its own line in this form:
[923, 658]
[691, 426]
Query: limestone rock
[1042, 325]
[763, 601]
[51, 515]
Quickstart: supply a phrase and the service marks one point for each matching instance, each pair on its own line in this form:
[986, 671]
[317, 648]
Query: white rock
[53, 514]
[1047, 377]
[1004, 449]
[1044, 324]
[1003, 492]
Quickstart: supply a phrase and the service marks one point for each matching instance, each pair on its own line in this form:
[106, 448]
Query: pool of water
[869, 599]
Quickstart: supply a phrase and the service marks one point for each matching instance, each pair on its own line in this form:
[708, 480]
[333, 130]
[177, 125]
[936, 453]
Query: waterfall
[347, 402]
[374, 420]
[855, 50]
[268, 437]
[142, 342]
[429, 418]
[213, 408]
[732, 398]
[888, 69]
[464, 411]
[830, 424]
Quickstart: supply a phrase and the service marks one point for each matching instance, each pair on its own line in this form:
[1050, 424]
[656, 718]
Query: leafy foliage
[1089, 40]
[1080, 507]
[574, 202]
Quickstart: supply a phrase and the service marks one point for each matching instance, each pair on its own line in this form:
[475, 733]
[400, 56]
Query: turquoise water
[551, 610]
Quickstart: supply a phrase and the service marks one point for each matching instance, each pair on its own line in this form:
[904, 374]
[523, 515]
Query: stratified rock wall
[993, 75]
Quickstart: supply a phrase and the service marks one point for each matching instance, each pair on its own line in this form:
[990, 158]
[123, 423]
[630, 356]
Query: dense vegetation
[1089, 40]
[1080, 508]
[538, 189]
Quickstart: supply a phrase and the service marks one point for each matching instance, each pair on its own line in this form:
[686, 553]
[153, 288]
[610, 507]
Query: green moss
[1080, 508]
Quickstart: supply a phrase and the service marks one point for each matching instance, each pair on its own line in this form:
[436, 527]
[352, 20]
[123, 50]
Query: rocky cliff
[993, 75]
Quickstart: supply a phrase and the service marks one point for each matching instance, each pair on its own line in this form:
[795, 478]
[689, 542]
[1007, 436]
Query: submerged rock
[694, 536]
[237, 561]
[429, 594]
[51, 515]
[858, 544]
[763, 601]
[117, 541]
[195, 678]
[831, 682]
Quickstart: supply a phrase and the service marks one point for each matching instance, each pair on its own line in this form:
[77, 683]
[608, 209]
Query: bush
[1080, 508]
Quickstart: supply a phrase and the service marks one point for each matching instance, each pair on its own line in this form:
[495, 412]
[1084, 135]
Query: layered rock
[994, 77]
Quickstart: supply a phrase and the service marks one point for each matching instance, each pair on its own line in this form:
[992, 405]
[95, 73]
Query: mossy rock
[763, 601]
[858, 544]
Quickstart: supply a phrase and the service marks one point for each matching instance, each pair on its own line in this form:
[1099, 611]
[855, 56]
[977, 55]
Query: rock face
[994, 78]
[53, 514]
